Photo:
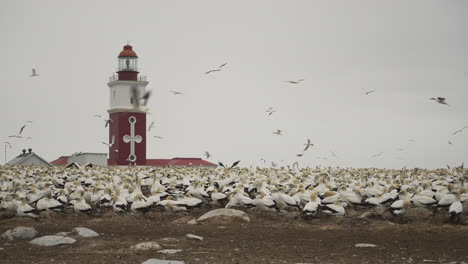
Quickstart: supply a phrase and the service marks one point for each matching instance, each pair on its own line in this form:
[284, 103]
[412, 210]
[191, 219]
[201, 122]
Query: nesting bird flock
[29, 190]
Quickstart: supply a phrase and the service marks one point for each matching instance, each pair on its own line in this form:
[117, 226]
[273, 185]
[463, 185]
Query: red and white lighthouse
[127, 129]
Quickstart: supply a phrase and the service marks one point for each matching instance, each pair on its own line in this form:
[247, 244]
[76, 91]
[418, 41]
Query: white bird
[311, 208]
[368, 92]
[334, 209]
[151, 126]
[158, 137]
[278, 132]
[111, 144]
[218, 69]
[207, 154]
[139, 204]
[176, 93]
[107, 122]
[25, 209]
[48, 203]
[398, 207]
[456, 208]
[265, 203]
[34, 74]
[459, 131]
[270, 111]
[80, 206]
[440, 100]
[308, 144]
[295, 82]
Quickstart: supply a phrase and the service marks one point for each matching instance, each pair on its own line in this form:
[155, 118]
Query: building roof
[179, 162]
[20, 159]
[128, 52]
[63, 160]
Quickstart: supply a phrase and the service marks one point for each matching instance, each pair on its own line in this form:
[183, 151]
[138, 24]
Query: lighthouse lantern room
[127, 128]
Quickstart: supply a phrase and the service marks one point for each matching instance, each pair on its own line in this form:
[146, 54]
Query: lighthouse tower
[127, 128]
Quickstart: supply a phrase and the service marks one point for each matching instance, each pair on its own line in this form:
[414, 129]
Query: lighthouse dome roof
[127, 52]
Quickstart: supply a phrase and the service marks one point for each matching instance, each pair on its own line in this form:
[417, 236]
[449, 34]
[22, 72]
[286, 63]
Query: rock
[170, 251]
[184, 220]
[193, 222]
[161, 261]
[21, 232]
[194, 237]
[225, 212]
[52, 241]
[63, 233]
[84, 232]
[146, 246]
[364, 245]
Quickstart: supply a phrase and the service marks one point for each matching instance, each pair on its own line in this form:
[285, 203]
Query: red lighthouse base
[129, 132]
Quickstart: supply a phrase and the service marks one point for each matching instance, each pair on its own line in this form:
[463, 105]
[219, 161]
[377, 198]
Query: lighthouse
[127, 127]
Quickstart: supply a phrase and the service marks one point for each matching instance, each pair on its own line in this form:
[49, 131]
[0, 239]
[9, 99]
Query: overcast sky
[408, 51]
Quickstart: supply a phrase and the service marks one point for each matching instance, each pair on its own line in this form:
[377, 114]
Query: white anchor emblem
[132, 139]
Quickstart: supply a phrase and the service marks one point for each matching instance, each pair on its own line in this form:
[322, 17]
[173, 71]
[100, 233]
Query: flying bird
[146, 97]
[376, 155]
[300, 154]
[99, 116]
[270, 111]
[308, 144]
[459, 131]
[278, 132]
[207, 154]
[440, 100]
[34, 73]
[450, 143]
[151, 126]
[176, 93]
[108, 121]
[232, 166]
[21, 130]
[295, 82]
[218, 69]
[7, 143]
[368, 92]
[158, 137]
[111, 144]
[273, 164]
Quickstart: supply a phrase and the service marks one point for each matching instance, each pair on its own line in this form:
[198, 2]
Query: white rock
[63, 233]
[21, 232]
[169, 251]
[52, 240]
[225, 212]
[161, 261]
[195, 237]
[146, 246]
[192, 222]
[365, 245]
[85, 232]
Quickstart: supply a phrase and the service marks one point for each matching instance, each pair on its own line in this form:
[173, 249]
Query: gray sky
[409, 51]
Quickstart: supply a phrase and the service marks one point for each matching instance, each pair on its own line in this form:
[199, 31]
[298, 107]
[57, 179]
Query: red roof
[63, 160]
[127, 52]
[179, 162]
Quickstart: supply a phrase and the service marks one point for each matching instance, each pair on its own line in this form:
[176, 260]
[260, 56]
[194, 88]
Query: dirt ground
[268, 238]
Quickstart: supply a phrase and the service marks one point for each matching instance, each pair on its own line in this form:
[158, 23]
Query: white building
[28, 159]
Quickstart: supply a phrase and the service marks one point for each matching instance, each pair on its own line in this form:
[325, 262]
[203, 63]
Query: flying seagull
[111, 144]
[146, 97]
[207, 154]
[308, 144]
[108, 121]
[270, 111]
[176, 93]
[450, 143]
[151, 126]
[21, 130]
[459, 131]
[99, 116]
[376, 155]
[158, 137]
[440, 100]
[278, 132]
[218, 69]
[232, 166]
[295, 82]
[273, 164]
[368, 92]
[299, 154]
[34, 74]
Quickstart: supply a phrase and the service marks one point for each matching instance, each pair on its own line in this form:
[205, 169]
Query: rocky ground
[420, 237]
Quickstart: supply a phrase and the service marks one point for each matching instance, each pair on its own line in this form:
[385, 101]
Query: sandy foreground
[420, 237]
